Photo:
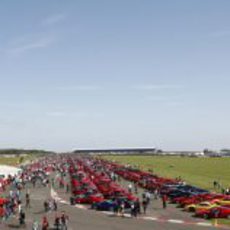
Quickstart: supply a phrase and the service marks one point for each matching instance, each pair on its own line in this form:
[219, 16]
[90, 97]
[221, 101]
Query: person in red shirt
[2, 211]
[45, 223]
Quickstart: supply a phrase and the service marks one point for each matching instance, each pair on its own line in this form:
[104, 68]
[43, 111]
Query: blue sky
[123, 73]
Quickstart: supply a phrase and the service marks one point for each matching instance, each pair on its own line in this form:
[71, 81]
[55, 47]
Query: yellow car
[203, 205]
[224, 202]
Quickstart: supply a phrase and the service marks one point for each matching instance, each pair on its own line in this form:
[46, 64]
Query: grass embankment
[15, 161]
[196, 171]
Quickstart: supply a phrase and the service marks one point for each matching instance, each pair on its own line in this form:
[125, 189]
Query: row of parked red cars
[203, 203]
[91, 182]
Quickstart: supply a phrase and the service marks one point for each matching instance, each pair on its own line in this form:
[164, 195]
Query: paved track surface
[84, 219]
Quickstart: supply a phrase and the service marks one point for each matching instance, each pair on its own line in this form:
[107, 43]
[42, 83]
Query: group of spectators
[12, 205]
[15, 202]
[60, 223]
[50, 205]
[217, 185]
[139, 206]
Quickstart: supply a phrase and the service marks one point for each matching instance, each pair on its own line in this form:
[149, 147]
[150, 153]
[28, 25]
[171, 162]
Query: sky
[84, 74]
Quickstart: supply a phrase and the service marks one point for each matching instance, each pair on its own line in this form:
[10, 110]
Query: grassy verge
[197, 171]
[15, 161]
[217, 222]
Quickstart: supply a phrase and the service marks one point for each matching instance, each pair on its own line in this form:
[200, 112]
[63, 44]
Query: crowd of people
[139, 206]
[12, 204]
[60, 223]
[17, 198]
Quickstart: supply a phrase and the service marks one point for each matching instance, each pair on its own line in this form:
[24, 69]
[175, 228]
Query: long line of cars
[193, 199]
[202, 202]
[91, 183]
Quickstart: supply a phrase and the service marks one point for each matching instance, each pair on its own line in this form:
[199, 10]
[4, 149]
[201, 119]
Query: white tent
[8, 170]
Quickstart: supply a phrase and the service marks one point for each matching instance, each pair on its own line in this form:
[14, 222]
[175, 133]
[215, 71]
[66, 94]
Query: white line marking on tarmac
[204, 224]
[80, 206]
[107, 213]
[64, 202]
[176, 221]
[113, 214]
[149, 218]
[55, 196]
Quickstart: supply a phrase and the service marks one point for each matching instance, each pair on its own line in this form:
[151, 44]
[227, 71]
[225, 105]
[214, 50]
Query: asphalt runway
[84, 219]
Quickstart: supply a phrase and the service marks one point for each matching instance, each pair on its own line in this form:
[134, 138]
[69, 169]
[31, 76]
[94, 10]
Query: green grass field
[15, 161]
[196, 171]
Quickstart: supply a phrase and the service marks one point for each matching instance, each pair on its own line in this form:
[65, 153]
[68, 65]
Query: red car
[217, 212]
[87, 198]
[3, 201]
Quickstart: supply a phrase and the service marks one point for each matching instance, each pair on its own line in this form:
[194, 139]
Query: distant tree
[206, 151]
[225, 150]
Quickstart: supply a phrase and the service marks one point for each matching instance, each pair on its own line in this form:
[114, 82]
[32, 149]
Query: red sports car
[87, 198]
[217, 212]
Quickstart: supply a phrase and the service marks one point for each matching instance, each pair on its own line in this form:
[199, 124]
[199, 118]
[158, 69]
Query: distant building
[125, 151]
[225, 152]
[212, 153]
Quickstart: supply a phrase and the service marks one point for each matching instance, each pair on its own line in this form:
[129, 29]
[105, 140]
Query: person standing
[122, 208]
[35, 225]
[148, 197]
[156, 193]
[64, 219]
[22, 217]
[67, 188]
[136, 188]
[2, 211]
[130, 187]
[214, 184]
[116, 207]
[45, 223]
[227, 192]
[133, 214]
[144, 204]
[52, 182]
[55, 205]
[164, 201]
[33, 180]
[27, 200]
[138, 206]
[46, 206]
[19, 207]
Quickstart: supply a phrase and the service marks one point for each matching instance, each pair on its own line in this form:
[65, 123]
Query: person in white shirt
[130, 187]
[19, 207]
[148, 196]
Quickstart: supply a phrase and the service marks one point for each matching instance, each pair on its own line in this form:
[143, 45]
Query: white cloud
[53, 19]
[56, 114]
[157, 98]
[158, 87]
[80, 88]
[73, 114]
[30, 45]
[168, 101]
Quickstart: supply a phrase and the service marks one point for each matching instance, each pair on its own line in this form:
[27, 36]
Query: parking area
[81, 216]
